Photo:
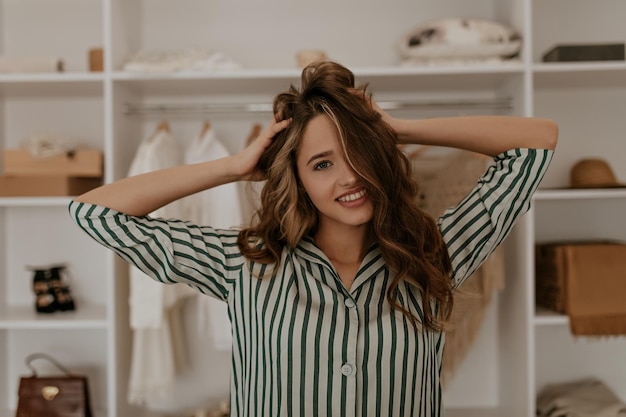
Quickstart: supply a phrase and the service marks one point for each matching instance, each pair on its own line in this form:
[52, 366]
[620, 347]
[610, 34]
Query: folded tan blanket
[588, 282]
[582, 398]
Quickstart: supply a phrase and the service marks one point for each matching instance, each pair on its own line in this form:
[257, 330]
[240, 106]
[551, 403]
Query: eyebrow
[319, 155]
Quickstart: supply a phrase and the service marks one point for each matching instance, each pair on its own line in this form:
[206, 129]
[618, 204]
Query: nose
[348, 177]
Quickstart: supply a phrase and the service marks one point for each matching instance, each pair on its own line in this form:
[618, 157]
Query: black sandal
[45, 299]
[61, 290]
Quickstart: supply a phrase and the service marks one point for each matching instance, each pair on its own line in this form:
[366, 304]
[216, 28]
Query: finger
[357, 92]
[276, 127]
[270, 131]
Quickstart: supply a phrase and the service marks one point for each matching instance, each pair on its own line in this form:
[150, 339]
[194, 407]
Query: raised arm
[143, 194]
[490, 135]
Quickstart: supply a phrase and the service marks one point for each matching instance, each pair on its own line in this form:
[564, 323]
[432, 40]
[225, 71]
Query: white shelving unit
[520, 348]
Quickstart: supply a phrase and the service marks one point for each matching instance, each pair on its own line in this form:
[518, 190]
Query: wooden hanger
[256, 129]
[205, 129]
[164, 126]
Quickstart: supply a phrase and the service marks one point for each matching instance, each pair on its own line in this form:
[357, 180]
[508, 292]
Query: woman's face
[331, 183]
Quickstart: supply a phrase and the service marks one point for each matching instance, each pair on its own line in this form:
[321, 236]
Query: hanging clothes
[205, 327]
[156, 353]
[219, 207]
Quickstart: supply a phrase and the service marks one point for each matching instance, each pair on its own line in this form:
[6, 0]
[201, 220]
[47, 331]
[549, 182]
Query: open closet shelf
[563, 67]
[394, 79]
[34, 201]
[579, 194]
[51, 77]
[474, 412]
[51, 86]
[24, 318]
[545, 317]
[239, 107]
[11, 413]
[376, 71]
[114, 109]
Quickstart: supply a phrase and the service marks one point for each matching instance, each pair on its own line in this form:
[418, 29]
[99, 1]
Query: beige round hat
[593, 173]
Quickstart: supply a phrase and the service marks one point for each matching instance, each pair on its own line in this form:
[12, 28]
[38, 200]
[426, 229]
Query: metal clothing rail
[203, 108]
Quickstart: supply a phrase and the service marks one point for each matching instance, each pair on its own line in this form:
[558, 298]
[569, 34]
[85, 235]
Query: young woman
[339, 293]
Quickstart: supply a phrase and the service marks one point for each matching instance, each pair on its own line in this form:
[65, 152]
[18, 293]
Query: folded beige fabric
[587, 397]
[586, 280]
[13, 64]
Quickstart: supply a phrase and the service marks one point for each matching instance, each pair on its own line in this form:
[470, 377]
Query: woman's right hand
[247, 160]
[386, 117]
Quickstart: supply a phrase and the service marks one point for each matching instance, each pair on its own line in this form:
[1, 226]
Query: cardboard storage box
[39, 186]
[82, 163]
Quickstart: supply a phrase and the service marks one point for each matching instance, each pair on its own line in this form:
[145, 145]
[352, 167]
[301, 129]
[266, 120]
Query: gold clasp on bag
[50, 392]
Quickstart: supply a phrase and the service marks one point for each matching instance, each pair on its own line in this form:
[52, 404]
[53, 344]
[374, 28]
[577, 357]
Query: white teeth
[352, 197]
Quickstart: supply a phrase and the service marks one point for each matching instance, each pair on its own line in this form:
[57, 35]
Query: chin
[360, 221]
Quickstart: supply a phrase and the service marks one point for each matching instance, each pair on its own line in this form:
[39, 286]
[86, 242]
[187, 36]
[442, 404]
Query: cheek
[311, 189]
[317, 190]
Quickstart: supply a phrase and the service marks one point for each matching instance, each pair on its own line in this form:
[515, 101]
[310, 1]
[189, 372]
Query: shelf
[34, 201]
[585, 98]
[271, 81]
[545, 317]
[25, 317]
[52, 77]
[579, 194]
[193, 84]
[580, 74]
[45, 84]
[11, 413]
[474, 412]
[440, 78]
[282, 73]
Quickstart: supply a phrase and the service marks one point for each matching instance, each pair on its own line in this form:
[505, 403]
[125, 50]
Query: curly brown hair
[409, 239]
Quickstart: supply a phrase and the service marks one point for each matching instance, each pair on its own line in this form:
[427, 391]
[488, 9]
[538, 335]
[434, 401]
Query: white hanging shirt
[147, 300]
[220, 206]
[154, 357]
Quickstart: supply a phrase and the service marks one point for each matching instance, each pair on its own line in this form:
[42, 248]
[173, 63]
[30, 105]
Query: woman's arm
[142, 194]
[490, 135]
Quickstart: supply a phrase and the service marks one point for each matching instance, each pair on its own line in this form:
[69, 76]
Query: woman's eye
[321, 165]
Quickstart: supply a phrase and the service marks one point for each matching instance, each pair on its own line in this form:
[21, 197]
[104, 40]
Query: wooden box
[96, 60]
[81, 163]
[40, 186]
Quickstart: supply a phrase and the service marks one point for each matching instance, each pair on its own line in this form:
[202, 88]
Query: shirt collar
[370, 266]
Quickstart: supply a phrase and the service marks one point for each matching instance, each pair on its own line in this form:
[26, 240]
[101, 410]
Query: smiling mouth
[352, 197]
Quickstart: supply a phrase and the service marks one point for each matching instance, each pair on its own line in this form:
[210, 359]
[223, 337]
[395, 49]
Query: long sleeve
[219, 207]
[169, 251]
[481, 221]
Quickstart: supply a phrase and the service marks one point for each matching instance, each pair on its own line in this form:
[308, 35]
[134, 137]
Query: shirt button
[347, 369]
[350, 303]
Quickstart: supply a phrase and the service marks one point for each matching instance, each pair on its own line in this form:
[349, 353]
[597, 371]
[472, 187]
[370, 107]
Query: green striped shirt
[303, 345]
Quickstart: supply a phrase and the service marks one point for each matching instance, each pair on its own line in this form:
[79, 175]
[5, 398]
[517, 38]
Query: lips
[352, 197]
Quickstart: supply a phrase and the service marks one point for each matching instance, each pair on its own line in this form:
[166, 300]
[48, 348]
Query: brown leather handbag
[66, 395]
